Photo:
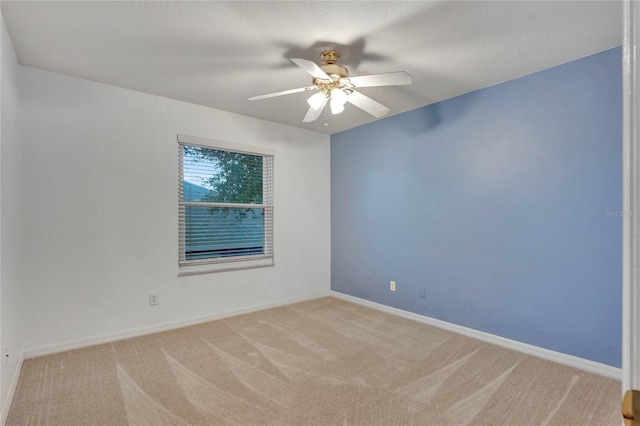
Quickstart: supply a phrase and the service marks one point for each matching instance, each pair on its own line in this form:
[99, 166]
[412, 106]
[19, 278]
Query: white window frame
[203, 266]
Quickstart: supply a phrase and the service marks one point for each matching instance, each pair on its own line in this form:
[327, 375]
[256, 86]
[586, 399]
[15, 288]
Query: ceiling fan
[337, 88]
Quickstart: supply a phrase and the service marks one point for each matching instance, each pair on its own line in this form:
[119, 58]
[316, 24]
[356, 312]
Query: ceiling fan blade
[284, 92]
[313, 114]
[389, 79]
[367, 104]
[311, 67]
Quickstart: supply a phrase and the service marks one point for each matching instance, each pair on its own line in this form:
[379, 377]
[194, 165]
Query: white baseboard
[560, 358]
[6, 404]
[112, 337]
[569, 360]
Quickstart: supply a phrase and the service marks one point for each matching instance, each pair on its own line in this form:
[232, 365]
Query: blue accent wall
[503, 203]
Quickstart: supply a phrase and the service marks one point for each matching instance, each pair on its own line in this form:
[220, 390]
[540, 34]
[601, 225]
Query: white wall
[99, 201]
[10, 223]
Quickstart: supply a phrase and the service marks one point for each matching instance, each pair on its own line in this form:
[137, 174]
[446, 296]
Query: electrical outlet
[392, 285]
[154, 299]
[421, 292]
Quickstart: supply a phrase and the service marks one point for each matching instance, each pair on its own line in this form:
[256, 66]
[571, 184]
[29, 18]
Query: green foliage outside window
[234, 177]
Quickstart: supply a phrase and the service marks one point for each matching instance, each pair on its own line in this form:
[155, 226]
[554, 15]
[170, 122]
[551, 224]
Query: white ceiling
[220, 53]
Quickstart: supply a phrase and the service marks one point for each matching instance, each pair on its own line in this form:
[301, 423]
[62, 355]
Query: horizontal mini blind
[225, 204]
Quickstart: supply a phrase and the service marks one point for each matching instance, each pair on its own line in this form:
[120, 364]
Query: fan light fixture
[338, 99]
[335, 88]
[318, 100]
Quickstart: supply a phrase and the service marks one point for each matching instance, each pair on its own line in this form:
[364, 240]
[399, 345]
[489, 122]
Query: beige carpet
[322, 362]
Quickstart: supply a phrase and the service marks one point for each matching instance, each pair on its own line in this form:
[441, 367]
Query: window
[225, 206]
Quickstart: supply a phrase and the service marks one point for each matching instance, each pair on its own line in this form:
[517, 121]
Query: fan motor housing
[330, 67]
[335, 70]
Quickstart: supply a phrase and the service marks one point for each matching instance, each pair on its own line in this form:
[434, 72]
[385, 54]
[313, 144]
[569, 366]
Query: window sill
[207, 268]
